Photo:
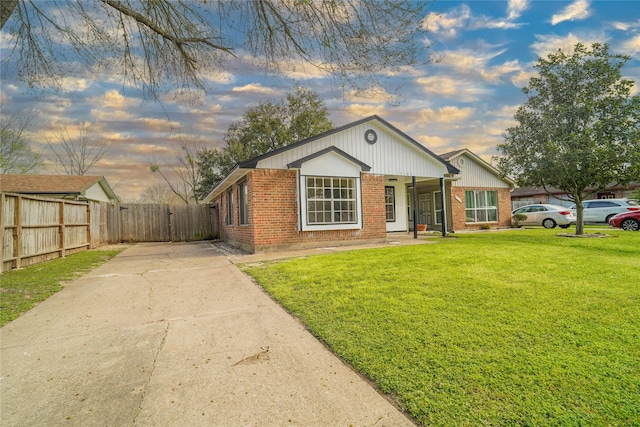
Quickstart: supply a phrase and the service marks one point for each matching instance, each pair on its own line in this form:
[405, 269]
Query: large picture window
[243, 203]
[481, 206]
[390, 203]
[331, 201]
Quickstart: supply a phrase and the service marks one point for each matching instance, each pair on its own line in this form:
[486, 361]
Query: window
[243, 203]
[230, 207]
[390, 203]
[437, 197]
[481, 206]
[331, 200]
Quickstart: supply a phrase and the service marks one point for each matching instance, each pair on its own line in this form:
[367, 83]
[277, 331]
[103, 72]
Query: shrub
[517, 218]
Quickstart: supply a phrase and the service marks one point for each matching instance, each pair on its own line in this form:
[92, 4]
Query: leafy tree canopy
[181, 41]
[579, 129]
[264, 128]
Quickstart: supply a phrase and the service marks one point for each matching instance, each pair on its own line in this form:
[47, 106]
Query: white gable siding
[390, 155]
[95, 192]
[330, 164]
[474, 175]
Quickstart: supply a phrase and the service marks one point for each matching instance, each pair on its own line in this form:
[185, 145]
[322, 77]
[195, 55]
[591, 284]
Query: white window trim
[475, 209]
[302, 203]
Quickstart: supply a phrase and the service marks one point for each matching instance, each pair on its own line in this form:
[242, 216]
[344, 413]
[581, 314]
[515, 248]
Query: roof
[242, 167]
[252, 163]
[535, 191]
[52, 184]
[457, 153]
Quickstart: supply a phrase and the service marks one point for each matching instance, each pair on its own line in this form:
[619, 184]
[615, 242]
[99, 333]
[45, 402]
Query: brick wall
[458, 209]
[273, 214]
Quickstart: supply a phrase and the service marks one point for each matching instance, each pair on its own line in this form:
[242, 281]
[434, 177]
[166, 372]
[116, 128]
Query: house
[529, 195]
[95, 188]
[481, 197]
[351, 184]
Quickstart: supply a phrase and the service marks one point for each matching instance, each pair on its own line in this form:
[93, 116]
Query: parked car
[629, 220]
[547, 216]
[602, 210]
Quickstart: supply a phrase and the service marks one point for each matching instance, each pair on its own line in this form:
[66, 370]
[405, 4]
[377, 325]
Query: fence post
[61, 225]
[17, 241]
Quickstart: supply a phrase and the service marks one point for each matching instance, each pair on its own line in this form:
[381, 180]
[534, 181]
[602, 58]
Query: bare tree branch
[78, 154]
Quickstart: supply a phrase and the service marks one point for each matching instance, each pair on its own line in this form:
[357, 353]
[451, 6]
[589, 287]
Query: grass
[22, 289]
[514, 328]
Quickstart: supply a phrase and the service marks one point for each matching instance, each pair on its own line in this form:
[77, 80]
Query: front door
[424, 209]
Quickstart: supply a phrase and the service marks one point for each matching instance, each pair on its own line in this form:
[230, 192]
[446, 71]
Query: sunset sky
[466, 100]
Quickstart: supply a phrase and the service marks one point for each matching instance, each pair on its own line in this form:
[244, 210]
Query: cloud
[577, 10]
[626, 26]
[546, 44]
[473, 62]
[522, 78]
[516, 7]
[363, 110]
[445, 86]
[448, 114]
[631, 46]
[158, 125]
[254, 88]
[447, 24]
[373, 94]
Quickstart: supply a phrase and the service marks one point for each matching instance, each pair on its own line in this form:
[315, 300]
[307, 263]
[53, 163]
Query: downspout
[444, 208]
[415, 207]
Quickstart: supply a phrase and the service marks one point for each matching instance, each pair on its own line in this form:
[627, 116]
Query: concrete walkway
[175, 335]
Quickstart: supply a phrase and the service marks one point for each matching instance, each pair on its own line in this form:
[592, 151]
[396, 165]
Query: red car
[626, 221]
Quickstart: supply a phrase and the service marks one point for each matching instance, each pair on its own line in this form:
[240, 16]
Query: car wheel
[630, 225]
[564, 226]
[606, 220]
[549, 223]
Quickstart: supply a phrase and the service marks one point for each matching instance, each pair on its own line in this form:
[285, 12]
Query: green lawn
[21, 289]
[504, 329]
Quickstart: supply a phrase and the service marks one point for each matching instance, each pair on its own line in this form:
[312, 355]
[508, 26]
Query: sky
[467, 99]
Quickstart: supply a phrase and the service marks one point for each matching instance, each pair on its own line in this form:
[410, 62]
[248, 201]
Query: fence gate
[158, 223]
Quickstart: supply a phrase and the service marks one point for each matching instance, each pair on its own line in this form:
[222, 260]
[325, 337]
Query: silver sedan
[547, 216]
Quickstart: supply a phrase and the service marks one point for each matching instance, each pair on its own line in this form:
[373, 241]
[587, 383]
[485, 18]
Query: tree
[180, 40]
[16, 156]
[158, 194]
[183, 176]
[79, 153]
[579, 129]
[264, 128]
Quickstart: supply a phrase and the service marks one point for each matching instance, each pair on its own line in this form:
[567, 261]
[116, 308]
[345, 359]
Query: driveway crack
[151, 371]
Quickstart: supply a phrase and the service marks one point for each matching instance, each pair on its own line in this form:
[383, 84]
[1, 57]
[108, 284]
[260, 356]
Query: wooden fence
[38, 229]
[127, 223]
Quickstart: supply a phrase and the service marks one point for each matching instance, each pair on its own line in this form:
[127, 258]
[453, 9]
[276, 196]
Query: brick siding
[459, 216]
[273, 214]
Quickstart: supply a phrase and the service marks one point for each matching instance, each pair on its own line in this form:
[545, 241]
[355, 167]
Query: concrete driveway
[175, 335]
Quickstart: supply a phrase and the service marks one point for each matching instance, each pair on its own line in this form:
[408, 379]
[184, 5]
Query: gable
[392, 153]
[476, 173]
[330, 162]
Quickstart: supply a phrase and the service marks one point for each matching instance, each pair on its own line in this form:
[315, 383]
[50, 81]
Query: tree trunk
[579, 218]
[6, 10]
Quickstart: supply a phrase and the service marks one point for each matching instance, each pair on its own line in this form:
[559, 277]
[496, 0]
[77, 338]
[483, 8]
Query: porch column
[443, 199]
[415, 207]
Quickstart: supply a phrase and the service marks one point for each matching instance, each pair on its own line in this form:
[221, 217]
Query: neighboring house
[529, 195]
[480, 197]
[353, 183]
[95, 188]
